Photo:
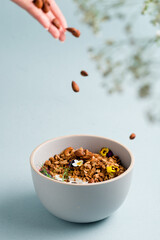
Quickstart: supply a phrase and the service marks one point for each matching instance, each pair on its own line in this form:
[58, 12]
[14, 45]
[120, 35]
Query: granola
[82, 166]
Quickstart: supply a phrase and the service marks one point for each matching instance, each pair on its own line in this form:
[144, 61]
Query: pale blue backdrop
[37, 103]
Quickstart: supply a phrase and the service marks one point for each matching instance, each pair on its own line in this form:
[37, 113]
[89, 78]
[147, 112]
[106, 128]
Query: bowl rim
[79, 184]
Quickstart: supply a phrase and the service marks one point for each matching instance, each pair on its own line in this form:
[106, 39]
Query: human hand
[45, 19]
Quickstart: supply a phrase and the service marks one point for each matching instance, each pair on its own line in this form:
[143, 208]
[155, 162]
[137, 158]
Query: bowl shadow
[25, 213]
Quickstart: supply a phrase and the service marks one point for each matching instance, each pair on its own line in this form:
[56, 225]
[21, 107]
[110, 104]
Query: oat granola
[82, 166]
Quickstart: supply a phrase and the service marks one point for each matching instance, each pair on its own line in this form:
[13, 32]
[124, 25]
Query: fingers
[53, 31]
[39, 15]
[58, 14]
[62, 36]
[45, 19]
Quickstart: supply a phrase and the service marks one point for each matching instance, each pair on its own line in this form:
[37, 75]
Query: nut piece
[132, 136]
[47, 162]
[84, 73]
[91, 180]
[46, 6]
[79, 153]
[75, 86]
[56, 23]
[75, 32]
[38, 3]
[64, 162]
[51, 159]
[68, 151]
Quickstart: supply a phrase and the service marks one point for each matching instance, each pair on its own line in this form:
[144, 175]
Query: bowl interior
[93, 143]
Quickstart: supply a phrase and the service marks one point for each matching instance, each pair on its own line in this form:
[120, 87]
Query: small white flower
[77, 163]
[158, 33]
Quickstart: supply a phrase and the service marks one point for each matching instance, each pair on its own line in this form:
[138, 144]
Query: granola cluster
[84, 165]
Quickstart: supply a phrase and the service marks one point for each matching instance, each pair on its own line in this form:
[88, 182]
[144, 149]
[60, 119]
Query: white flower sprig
[77, 163]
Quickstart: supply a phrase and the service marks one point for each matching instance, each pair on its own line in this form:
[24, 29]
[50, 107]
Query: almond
[132, 136]
[56, 23]
[48, 162]
[46, 7]
[75, 86]
[79, 153]
[38, 3]
[75, 32]
[84, 73]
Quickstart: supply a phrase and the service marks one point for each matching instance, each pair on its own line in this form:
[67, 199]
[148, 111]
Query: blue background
[37, 103]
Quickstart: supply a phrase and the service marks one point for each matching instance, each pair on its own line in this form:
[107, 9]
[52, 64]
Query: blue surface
[37, 103]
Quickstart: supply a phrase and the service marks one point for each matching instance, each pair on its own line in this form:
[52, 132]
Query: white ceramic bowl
[81, 202]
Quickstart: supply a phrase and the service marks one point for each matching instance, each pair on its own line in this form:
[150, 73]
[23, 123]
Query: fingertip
[61, 40]
[56, 36]
[62, 37]
[54, 31]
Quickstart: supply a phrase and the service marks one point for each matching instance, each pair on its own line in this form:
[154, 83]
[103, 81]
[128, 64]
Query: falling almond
[84, 73]
[75, 86]
[132, 136]
[75, 32]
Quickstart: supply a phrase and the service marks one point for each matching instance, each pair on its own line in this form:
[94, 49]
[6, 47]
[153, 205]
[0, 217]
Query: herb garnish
[44, 171]
[65, 174]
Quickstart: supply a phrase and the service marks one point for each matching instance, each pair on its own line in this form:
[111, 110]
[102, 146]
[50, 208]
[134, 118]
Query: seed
[38, 3]
[46, 7]
[75, 86]
[132, 136]
[75, 32]
[84, 73]
[56, 23]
